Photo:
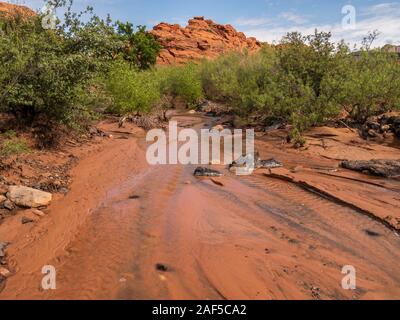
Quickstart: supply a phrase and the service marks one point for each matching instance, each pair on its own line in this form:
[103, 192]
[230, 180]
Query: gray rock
[246, 160]
[206, 172]
[3, 246]
[8, 205]
[275, 126]
[258, 163]
[26, 220]
[268, 164]
[28, 197]
[63, 190]
[383, 168]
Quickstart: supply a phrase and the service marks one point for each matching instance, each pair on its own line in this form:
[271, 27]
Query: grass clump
[14, 146]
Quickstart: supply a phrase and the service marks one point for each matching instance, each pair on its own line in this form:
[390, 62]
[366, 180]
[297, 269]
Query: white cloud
[384, 17]
[292, 17]
[252, 22]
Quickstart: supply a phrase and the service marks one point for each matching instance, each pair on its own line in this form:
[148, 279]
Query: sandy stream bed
[284, 235]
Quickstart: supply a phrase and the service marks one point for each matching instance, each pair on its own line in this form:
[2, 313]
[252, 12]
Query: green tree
[141, 48]
[47, 73]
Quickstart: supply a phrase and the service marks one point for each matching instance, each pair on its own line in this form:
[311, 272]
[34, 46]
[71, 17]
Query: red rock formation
[8, 9]
[201, 38]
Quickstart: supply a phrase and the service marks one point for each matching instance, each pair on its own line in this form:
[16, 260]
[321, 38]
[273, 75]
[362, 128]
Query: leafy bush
[181, 81]
[372, 84]
[137, 91]
[46, 72]
[141, 48]
[305, 80]
[130, 90]
[49, 74]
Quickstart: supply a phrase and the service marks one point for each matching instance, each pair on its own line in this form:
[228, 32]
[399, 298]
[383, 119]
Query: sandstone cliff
[8, 9]
[201, 38]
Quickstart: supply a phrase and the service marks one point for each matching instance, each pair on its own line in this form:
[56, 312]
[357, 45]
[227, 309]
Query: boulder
[28, 197]
[382, 168]
[2, 199]
[38, 213]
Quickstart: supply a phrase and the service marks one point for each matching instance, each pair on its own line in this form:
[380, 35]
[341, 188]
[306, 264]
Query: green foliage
[242, 80]
[183, 82]
[130, 90]
[141, 48]
[49, 74]
[61, 75]
[13, 146]
[305, 80]
[137, 91]
[372, 84]
[45, 72]
[10, 134]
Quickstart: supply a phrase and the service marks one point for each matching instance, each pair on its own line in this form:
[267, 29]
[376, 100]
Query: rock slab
[382, 168]
[28, 197]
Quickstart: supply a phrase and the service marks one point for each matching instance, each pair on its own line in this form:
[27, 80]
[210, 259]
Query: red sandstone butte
[8, 9]
[200, 38]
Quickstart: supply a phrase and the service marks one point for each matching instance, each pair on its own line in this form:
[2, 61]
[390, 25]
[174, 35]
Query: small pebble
[26, 220]
[4, 272]
[161, 267]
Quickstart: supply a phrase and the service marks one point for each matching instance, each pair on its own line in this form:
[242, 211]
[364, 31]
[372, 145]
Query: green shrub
[50, 74]
[141, 48]
[131, 90]
[372, 84]
[246, 82]
[181, 81]
[45, 72]
[305, 80]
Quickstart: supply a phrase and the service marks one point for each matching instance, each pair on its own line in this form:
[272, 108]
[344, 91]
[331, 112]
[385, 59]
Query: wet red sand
[255, 237]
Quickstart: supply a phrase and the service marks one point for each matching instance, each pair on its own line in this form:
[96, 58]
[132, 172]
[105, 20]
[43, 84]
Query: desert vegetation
[88, 65]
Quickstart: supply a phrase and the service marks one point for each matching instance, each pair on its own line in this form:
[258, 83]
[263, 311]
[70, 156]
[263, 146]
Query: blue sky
[268, 20]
